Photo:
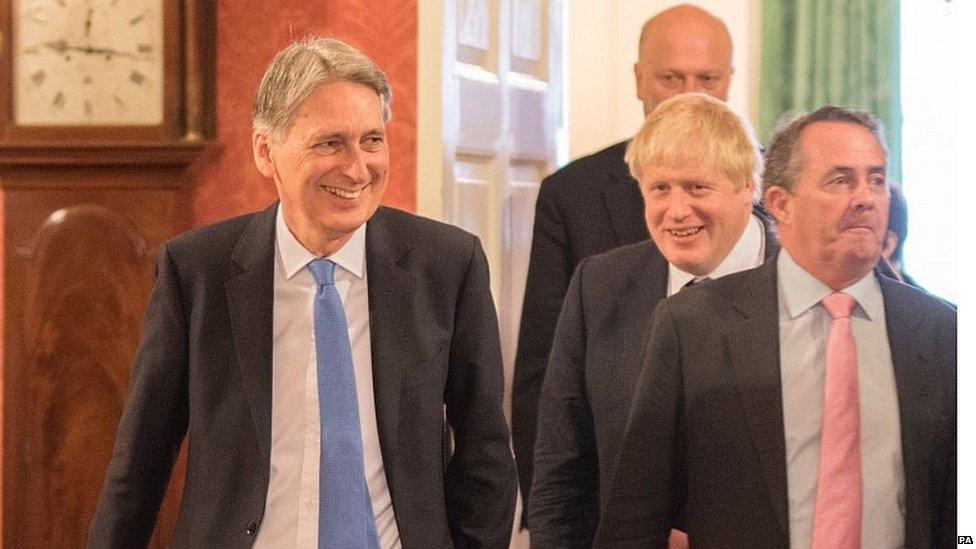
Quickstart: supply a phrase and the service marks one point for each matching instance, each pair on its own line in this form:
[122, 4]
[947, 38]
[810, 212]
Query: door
[492, 91]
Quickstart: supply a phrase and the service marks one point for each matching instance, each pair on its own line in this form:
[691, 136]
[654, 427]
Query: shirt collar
[746, 254]
[294, 257]
[800, 290]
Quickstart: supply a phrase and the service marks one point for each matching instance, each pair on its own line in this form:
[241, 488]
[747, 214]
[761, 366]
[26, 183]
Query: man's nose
[678, 205]
[354, 166]
[691, 84]
[864, 195]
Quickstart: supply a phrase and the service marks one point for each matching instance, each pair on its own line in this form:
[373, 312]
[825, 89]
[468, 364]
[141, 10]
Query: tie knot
[696, 281]
[323, 270]
[839, 305]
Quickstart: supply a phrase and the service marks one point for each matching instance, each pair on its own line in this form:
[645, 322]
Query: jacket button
[252, 528]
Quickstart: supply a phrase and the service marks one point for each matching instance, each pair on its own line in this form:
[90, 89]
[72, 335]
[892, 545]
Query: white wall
[602, 43]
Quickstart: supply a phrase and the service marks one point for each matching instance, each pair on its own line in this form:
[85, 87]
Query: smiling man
[311, 353]
[593, 205]
[698, 167]
[810, 402]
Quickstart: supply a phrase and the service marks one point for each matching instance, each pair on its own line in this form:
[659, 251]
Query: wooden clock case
[84, 210]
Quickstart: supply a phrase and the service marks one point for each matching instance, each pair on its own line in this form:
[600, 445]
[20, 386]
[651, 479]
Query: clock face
[88, 62]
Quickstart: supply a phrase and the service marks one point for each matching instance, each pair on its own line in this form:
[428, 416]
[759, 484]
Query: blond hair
[697, 129]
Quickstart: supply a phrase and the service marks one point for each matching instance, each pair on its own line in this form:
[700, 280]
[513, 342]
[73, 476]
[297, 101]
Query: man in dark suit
[698, 165]
[765, 416]
[593, 204]
[892, 252]
[313, 351]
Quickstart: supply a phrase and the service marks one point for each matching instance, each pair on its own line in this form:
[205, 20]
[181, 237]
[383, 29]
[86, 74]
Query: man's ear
[749, 192]
[261, 149]
[638, 78]
[779, 203]
[890, 243]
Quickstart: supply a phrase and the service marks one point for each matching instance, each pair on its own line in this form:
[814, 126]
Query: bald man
[593, 204]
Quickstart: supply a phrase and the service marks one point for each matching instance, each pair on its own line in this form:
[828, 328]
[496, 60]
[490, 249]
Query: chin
[692, 267]
[861, 262]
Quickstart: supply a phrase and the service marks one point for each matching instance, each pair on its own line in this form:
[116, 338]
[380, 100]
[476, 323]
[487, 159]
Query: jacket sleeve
[647, 483]
[480, 483]
[565, 487]
[153, 422]
[946, 521]
[550, 268]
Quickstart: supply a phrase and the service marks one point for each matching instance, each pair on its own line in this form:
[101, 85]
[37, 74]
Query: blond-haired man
[697, 164]
[593, 204]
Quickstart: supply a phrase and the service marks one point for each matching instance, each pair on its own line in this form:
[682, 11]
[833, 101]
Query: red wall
[226, 183]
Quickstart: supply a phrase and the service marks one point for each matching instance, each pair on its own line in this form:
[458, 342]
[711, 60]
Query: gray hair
[296, 71]
[783, 158]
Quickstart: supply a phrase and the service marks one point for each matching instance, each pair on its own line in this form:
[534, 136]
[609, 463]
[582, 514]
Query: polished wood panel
[78, 263]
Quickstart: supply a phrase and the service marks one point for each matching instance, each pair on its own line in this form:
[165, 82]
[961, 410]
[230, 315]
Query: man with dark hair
[810, 402]
[312, 352]
[593, 204]
[894, 243]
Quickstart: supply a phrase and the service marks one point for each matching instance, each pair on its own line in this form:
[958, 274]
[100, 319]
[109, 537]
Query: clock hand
[88, 23]
[63, 47]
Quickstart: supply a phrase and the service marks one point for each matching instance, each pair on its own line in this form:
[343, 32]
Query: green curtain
[839, 52]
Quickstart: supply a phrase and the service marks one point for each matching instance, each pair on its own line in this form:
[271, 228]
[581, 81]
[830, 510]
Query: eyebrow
[340, 134]
[850, 169]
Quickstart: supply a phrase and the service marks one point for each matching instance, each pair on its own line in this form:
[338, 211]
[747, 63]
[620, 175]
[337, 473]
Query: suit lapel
[250, 303]
[390, 326]
[648, 284]
[919, 405]
[621, 195]
[753, 350]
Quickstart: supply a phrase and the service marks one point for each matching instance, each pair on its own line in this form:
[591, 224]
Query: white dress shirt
[292, 507]
[748, 253]
[803, 328]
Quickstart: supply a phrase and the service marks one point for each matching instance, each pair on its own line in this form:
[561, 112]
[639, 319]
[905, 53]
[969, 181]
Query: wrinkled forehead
[839, 143]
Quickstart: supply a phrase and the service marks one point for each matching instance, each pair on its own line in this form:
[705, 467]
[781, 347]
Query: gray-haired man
[309, 351]
[809, 402]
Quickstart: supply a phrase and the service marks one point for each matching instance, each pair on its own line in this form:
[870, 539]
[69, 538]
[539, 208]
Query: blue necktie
[345, 512]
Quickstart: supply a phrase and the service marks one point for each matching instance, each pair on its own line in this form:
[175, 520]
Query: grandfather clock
[103, 104]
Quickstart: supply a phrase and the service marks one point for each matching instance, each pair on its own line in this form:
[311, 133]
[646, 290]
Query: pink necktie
[837, 514]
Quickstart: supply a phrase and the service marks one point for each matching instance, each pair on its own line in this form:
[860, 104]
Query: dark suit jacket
[589, 206]
[706, 426]
[204, 368]
[586, 396]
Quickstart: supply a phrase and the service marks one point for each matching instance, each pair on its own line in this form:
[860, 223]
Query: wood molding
[179, 153]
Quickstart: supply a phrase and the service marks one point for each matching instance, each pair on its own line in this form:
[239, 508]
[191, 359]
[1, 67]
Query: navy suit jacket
[590, 206]
[203, 370]
[593, 366]
[705, 431]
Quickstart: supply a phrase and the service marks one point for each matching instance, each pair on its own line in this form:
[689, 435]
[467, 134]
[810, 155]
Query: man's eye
[708, 80]
[373, 142]
[878, 181]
